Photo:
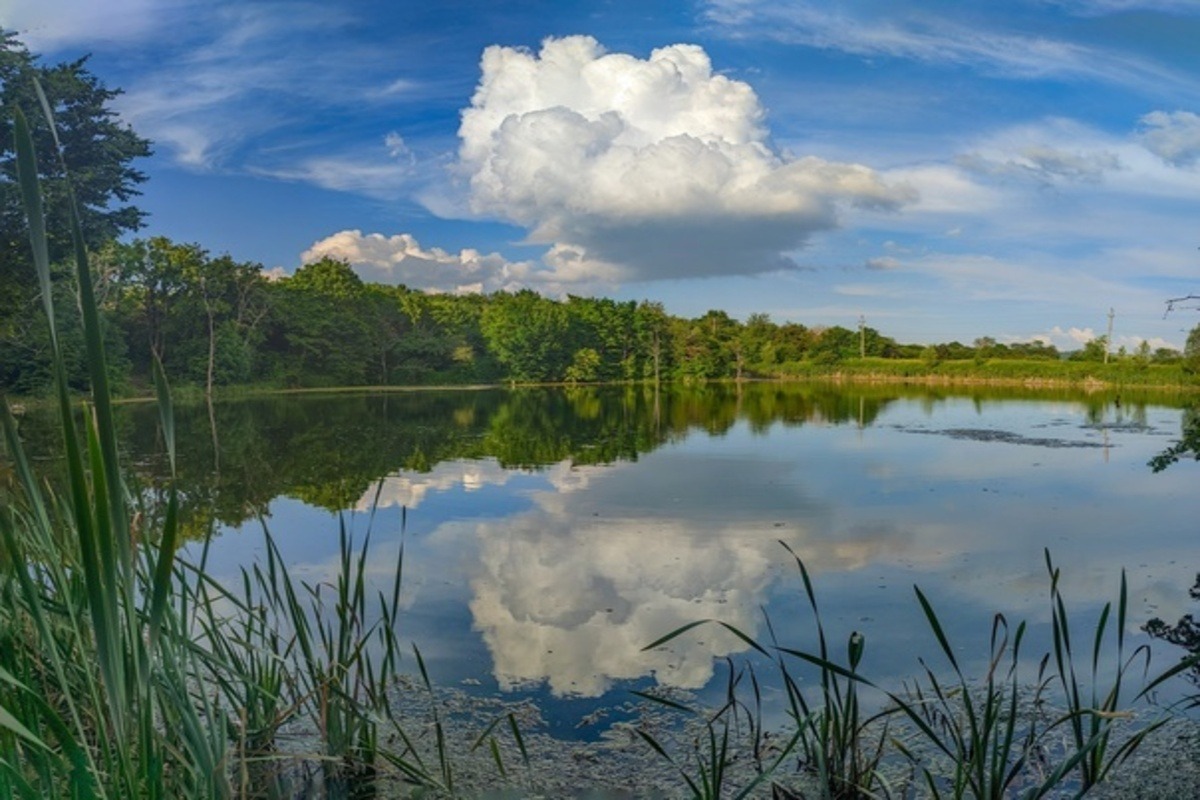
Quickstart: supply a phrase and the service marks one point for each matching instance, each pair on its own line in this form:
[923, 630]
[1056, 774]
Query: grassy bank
[1090, 376]
[1033, 373]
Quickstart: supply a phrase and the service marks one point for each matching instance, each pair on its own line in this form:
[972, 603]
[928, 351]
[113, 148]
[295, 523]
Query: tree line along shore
[215, 322]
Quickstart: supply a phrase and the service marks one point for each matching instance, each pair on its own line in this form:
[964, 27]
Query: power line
[1177, 304]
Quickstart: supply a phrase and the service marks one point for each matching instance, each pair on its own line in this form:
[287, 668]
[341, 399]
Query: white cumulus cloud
[400, 259]
[1070, 338]
[640, 169]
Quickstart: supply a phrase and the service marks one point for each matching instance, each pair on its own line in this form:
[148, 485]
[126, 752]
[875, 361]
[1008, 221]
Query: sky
[947, 169]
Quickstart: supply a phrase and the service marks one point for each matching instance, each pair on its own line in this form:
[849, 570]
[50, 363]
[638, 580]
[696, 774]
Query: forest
[213, 321]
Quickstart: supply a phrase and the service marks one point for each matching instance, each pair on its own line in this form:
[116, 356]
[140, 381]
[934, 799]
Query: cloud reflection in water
[569, 592]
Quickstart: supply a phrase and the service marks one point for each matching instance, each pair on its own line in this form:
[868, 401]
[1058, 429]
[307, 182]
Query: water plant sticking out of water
[994, 737]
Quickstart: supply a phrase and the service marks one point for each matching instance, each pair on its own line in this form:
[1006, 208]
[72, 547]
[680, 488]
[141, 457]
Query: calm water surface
[551, 535]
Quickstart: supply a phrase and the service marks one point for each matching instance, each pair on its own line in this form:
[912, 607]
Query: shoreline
[1088, 385]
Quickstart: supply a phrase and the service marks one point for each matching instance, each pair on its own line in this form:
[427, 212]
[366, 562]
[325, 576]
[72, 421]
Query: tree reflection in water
[329, 450]
[1186, 632]
[1188, 445]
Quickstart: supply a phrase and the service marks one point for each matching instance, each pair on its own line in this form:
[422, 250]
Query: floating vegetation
[1005, 437]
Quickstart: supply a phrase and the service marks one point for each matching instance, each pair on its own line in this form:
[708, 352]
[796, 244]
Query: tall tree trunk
[212, 350]
[657, 352]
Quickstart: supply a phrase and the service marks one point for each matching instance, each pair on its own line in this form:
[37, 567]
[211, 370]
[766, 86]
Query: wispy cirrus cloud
[54, 24]
[215, 91]
[255, 86]
[903, 32]
[1096, 8]
[1054, 181]
[386, 170]
[881, 263]
[1052, 152]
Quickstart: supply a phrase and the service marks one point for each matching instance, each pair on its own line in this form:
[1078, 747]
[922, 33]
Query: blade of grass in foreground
[94, 533]
[86, 604]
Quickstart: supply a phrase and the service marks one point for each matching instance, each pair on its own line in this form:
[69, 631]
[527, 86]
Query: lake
[551, 534]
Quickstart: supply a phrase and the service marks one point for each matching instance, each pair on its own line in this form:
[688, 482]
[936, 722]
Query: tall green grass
[128, 672]
[88, 595]
[1117, 374]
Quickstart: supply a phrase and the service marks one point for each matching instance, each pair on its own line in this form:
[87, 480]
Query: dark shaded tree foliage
[1188, 445]
[98, 152]
[1185, 633]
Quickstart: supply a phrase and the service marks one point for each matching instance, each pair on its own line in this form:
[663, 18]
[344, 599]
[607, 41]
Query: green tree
[460, 321]
[96, 150]
[1094, 350]
[756, 341]
[144, 281]
[528, 334]
[607, 327]
[834, 344]
[652, 331]
[388, 324]
[1166, 355]
[329, 277]
[1191, 351]
[985, 348]
[1033, 350]
[584, 367]
[316, 332]
[1141, 356]
[715, 350]
[791, 342]
[954, 351]
[231, 294]
[878, 345]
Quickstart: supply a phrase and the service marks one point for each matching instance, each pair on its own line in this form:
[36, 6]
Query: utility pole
[862, 336]
[1108, 336]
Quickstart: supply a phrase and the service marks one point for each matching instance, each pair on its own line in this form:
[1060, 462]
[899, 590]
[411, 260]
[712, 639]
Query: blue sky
[947, 169]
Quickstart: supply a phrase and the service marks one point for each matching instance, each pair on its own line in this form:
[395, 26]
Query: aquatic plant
[988, 737]
[833, 736]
